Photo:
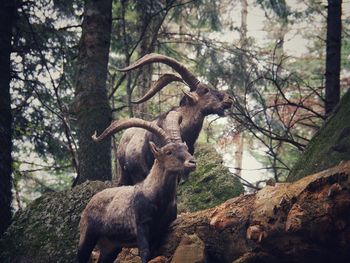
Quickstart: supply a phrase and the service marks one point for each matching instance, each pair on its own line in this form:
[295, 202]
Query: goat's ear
[191, 96]
[155, 150]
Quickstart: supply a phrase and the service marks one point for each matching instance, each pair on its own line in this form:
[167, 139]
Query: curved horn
[186, 75]
[129, 123]
[172, 125]
[192, 96]
[157, 86]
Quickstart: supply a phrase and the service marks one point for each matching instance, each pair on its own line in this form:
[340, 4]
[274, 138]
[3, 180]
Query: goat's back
[134, 155]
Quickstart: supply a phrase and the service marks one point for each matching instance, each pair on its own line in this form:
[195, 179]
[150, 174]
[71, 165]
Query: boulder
[210, 184]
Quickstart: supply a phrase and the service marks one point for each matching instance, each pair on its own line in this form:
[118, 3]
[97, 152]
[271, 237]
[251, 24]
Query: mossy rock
[210, 184]
[329, 146]
[47, 230]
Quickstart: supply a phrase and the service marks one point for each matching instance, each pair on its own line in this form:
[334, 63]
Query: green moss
[47, 231]
[329, 146]
[211, 183]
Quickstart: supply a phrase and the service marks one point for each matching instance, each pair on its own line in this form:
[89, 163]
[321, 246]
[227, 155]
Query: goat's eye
[168, 153]
[205, 90]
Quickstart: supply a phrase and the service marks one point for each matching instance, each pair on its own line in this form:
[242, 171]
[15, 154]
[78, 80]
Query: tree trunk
[127, 54]
[7, 8]
[239, 140]
[239, 148]
[244, 27]
[145, 78]
[91, 102]
[302, 222]
[305, 221]
[149, 27]
[333, 43]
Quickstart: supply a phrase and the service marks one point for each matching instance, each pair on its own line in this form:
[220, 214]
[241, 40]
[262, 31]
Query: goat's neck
[191, 113]
[191, 125]
[160, 183]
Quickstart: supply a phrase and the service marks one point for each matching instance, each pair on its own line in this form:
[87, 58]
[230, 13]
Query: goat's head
[207, 99]
[173, 155]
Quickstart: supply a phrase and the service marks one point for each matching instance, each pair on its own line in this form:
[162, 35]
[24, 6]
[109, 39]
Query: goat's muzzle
[190, 164]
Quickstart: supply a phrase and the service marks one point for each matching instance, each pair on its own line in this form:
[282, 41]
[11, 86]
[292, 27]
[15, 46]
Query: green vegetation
[210, 184]
[329, 146]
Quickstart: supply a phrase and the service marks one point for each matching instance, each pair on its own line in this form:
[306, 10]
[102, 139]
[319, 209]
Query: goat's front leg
[144, 215]
[143, 242]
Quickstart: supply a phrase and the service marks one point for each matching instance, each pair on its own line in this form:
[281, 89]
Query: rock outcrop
[210, 184]
[329, 146]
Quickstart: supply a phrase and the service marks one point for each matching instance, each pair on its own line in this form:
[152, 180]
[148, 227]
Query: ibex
[133, 153]
[130, 216]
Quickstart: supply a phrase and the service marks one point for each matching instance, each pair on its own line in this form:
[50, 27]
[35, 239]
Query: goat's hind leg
[109, 250]
[87, 243]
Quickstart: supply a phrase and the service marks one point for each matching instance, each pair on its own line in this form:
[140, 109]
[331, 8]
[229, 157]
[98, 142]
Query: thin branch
[67, 130]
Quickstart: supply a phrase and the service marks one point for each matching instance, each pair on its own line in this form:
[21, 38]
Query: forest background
[269, 55]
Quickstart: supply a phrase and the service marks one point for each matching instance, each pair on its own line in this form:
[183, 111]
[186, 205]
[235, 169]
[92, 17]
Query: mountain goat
[133, 153]
[129, 216]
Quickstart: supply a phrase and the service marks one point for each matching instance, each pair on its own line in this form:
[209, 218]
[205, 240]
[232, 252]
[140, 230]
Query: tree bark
[333, 46]
[238, 154]
[244, 27]
[149, 27]
[91, 101]
[239, 138]
[304, 221]
[7, 9]
[301, 222]
[145, 79]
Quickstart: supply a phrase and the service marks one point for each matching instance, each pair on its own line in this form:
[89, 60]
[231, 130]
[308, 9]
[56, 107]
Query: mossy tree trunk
[7, 9]
[91, 102]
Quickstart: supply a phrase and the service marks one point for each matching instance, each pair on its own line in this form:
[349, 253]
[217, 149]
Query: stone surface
[47, 231]
[190, 250]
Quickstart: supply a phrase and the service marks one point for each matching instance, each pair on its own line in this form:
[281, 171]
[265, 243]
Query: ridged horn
[129, 123]
[158, 86]
[186, 75]
[172, 126]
